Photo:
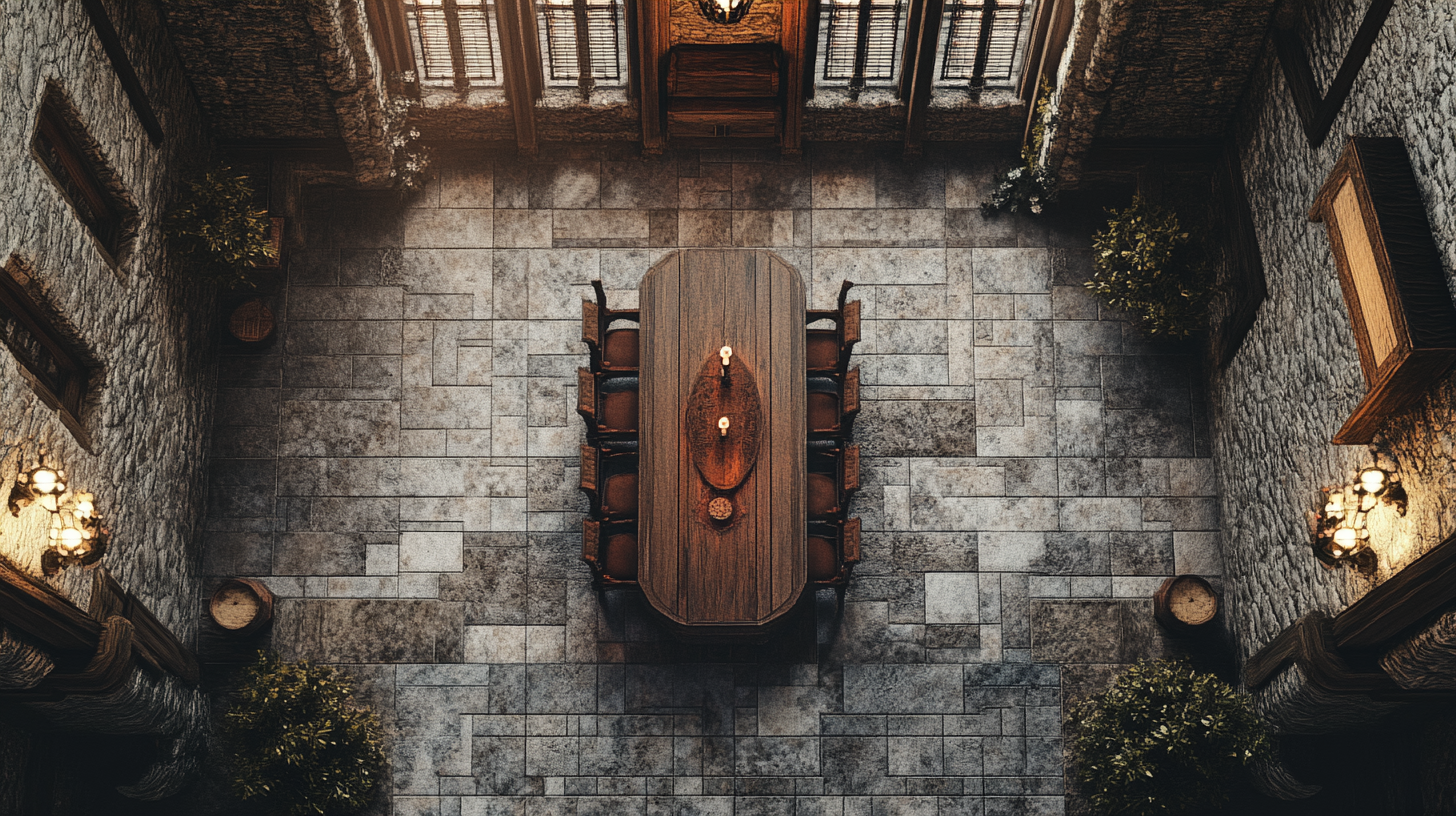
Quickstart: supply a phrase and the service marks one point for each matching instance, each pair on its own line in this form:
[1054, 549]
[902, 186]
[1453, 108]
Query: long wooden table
[733, 578]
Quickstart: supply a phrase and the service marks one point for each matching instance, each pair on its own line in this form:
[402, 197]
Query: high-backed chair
[610, 549]
[832, 405]
[833, 478]
[608, 404]
[833, 550]
[826, 351]
[609, 479]
[612, 350]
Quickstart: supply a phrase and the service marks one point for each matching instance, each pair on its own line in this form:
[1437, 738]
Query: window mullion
[983, 46]
[861, 47]
[457, 46]
[584, 79]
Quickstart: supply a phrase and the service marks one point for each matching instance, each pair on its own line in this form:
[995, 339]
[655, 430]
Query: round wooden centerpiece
[241, 606]
[1185, 603]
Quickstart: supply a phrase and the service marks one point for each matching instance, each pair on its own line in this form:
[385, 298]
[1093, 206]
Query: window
[456, 42]
[582, 32]
[982, 40]
[58, 371]
[861, 42]
[74, 163]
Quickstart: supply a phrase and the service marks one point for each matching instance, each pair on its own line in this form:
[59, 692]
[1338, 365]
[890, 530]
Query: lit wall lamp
[77, 536]
[724, 12]
[41, 483]
[1340, 536]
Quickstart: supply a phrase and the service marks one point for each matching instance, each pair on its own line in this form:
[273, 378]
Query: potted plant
[1145, 263]
[1028, 187]
[223, 238]
[218, 231]
[298, 744]
[1165, 739]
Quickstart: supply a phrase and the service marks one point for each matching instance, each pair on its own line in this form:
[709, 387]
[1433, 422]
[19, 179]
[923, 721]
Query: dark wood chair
[609, 479]
[826, 351]
[610, 549]
[833, 405]
[833, 478]
[833, 550]
[608, 404]
[614, 350]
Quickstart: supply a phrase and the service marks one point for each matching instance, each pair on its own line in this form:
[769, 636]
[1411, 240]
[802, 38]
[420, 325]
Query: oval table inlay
[724, 459]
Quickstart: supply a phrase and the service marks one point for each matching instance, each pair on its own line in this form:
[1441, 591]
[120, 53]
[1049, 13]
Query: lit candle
[722, 426]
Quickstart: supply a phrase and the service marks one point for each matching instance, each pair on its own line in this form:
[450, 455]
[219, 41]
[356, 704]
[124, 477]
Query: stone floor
[400, 467]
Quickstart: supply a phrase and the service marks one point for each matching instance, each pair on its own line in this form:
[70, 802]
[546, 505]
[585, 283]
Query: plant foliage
[410, 158]
[298, 744]
[1027, 187]
[1145, 263]
[217, 230]
[1165, 739]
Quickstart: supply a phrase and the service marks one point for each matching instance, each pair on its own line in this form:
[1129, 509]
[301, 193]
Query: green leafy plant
[1165, 739]
[216, 229]
[1027, 187]
[297, 742]
[1145, 263]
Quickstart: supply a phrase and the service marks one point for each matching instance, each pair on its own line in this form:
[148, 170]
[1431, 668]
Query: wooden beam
[1317, 113]
[521, 57]
[793, 40]
[43, 614]
[912, 46]
[390, 33]
[1047, 46]
[125, 72]
[652, 42]
[1410, 597]
[917, 104]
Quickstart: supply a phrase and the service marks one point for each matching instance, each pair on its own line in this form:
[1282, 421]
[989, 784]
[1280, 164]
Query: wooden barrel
[251, 322]
[1185, 604]
[241, 606]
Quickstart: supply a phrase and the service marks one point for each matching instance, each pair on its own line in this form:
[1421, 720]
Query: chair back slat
[851, 469]
[586, 396]
[590, 476]
[591, 324]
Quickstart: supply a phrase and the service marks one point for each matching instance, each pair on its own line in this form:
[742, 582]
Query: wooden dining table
[722, 458]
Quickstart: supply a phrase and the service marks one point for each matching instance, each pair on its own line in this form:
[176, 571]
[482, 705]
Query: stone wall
[1151, 69]
[1297, 377]
[147, 409]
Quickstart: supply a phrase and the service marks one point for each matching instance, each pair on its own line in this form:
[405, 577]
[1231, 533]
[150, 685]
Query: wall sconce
[1339, 535]
[724, 12]
[77, 536]
[41, 483]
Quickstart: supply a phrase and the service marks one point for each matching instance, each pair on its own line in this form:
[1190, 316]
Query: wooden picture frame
[1392, 279]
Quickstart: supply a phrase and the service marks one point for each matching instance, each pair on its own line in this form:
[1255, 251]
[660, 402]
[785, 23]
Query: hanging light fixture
[724, 12]
[1339, 533]
[41, 483]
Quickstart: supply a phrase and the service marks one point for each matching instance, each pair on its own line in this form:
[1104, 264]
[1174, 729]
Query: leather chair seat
[823, 498]
[823, 411]
[621, 559]
[821, 349]
[619, 497]
[621, 349]
[619, 411]
[823, 563]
